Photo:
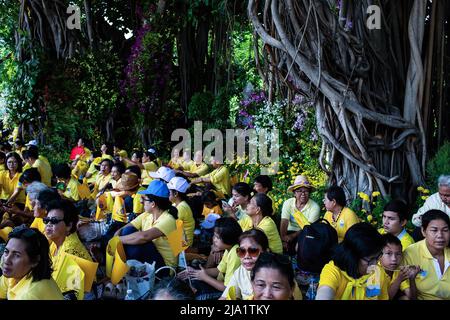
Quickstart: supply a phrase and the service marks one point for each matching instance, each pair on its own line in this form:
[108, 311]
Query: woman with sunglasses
[273, 277]
[26, 266]
[61, 228]
[251, 243]
[40, 197]
[259, 211]
[145, 238]
[432, 255]
[353, 273]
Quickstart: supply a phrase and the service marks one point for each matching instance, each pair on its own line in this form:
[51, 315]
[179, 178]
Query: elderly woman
[60, 227]
[353, 269]
[338, 215]
[297, 212]
[432, 255]
[27, 268]
[9, 180]
[40, 196]
[437, 201]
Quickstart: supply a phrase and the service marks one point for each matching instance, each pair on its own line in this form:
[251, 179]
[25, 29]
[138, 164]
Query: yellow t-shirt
[185, 214]
[72, 190]
[101, 182]
[94, 172]
[39, 224]
[220, 178]
[216, 209]
[337, 279]
[268, 226]
[8, 186]
[403, 285]
[404, 237]
[71, 245]
[27, 289]
[166, 224]
[430, 283]
[311, 211]
[45, 171]
[200, 169]
[2, 167]
[229, 263]
[150, 166]
[344, 221]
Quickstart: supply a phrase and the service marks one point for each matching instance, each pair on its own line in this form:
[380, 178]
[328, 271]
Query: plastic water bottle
[129, 295]
[311, 293]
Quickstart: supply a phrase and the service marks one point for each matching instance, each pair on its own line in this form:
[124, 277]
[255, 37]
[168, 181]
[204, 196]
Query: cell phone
[225, 204]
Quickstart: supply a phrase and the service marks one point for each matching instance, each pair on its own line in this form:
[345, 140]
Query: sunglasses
[252, 252]
[52, 220]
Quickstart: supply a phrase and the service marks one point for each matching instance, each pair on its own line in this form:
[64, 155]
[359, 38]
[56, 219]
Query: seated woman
[67, 186]
[263, 184]
[150, 164]
[26, 265]
[353, 273]
[237, 205]
[259, 212]
[212, 281]
[145, 238]
[338, 215]
[251, 243]
[219, 178]
[9, 181]
[40, 197]
[297, 212]
[61, 228]
[178, 187]
[273, 277]
[432, 255]
[117, 170]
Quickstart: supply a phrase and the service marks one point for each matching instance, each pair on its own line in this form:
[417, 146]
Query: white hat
[32, 143]
[179, 184]
[163, 173]
[151, 150]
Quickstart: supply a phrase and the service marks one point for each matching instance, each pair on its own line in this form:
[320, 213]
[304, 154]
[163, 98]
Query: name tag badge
[423, 273]
[341, 223]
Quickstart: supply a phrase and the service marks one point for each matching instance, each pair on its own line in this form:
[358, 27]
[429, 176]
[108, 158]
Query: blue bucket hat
[156, 188]
[210, 221]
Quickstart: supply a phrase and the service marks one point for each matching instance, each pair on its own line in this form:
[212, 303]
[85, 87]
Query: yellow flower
[426, 191]
[424, 197]
[280, 172]
[363, 210]
[363, 196]
[280, 201]
[420, 189]
[369, 218]
[376, 193]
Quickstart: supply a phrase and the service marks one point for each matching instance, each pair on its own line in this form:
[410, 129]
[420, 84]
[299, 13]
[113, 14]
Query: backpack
[314, 246]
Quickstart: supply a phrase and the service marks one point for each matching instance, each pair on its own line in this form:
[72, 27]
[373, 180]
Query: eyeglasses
[52, 220]
[147, 199]
[372, 260]
[252, 252]
[301, 191]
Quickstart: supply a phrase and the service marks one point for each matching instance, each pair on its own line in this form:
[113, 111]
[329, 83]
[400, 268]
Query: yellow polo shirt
[311, 211]
[39, 224]
[166, 224]
[185, 214]
[150, 166]
[229, 263]
[431, 284]
[45, 171]
[344, 221]
[404, 237]
[268, 226]
[72, 190]
[220, 178]
[8, 186]
[27, 289]
[200, 169]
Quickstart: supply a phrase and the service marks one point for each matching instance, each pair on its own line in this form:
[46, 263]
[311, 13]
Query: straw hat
[128, 181]
[300, 181]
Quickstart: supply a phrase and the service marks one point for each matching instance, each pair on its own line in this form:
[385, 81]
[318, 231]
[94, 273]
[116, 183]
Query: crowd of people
[235, 246]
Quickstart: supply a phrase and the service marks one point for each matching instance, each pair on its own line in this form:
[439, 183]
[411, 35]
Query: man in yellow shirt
[196, 169]
[394, 222]
[31, 156]
[219, 178]
[67, 186]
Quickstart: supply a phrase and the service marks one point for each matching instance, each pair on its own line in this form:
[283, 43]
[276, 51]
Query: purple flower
[300, 122]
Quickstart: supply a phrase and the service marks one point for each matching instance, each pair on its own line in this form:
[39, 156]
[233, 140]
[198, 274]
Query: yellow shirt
[38, 223]
[94, 172]
[404, 237]
[344, 221]
[229, 263]
[101, 182]
[311, 211]
[200, 169]
[185, 214]
[150, 166]
[71, 245]
[431, 284]
[45, 171]
[403, 285]
[216, 209]
[268, 226]
[220, 178]
[2, 167]
[8, 186]
[166, 224]
[27, 289]
[72, 190]
[337, 279]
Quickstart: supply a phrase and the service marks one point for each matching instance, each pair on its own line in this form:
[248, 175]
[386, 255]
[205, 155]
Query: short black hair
[69, 210]
[164, 204]
[120, 167]
[431, 215]
[399, 207]
[243, 189]
[275, 261]
[209, 197]
[138, 154]
[336, 193]
[264, 203]
[30, 175]
[16, 156]
[228, 230]
[361, 240]
[258, 236]
[62, 170]
[109, 162]
[391, 239]
[37, 248]
[46, 196]
[265, 181]
[30, 153]
[135, 169]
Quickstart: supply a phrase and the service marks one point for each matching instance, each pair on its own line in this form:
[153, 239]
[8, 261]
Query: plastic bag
[140, 279]
[92, 231]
